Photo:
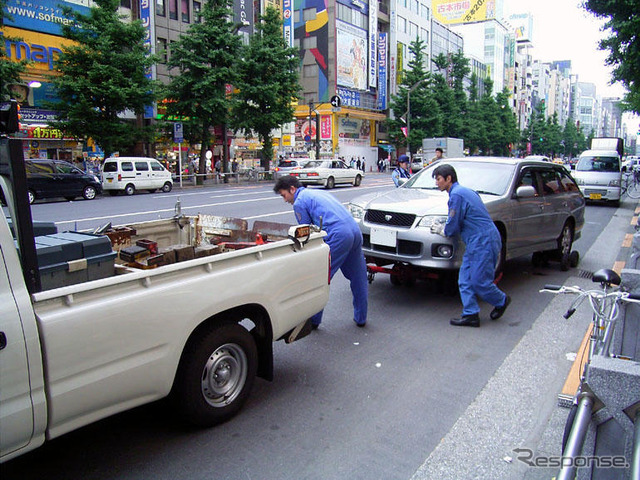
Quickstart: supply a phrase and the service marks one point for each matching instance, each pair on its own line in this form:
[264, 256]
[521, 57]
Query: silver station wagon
[536, 206]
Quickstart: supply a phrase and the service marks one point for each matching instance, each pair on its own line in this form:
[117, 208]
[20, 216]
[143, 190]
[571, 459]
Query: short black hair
[438, 149]
[444, 171]
[285, 183]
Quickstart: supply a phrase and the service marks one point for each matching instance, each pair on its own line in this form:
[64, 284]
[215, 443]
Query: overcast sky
[563, 30]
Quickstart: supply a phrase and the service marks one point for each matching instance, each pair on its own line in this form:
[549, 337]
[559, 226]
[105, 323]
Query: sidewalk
[518, 408]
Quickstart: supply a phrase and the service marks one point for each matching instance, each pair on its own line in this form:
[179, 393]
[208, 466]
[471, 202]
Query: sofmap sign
[44, 16]
[40, 48]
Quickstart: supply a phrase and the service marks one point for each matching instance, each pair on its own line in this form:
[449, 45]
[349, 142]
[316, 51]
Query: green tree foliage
[425, 117]
[267, 83]
[206, 59]
[10, 71]
[449, 92]
[102, 76]
[623, 43]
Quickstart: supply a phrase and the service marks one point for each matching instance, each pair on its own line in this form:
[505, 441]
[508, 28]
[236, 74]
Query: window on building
[160, 8]
[413, 30]
[125, 3]
[402, 24]
[185, 11]
[309, 42]
[310, 71]
[424, 11]
[424, 35]
[309, 14]
[173, 9]
[161, 49]
[197, 8]
[415, 6]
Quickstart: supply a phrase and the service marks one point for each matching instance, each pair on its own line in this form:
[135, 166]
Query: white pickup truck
[197, 331]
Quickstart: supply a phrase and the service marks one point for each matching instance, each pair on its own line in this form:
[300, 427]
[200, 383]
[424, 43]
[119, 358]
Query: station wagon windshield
[483, 177]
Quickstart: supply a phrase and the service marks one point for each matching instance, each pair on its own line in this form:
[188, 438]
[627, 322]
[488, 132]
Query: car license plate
[595, 196]
[109, 180]
[384, 237]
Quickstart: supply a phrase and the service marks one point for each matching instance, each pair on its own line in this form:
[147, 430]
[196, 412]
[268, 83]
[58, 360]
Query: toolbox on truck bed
[68, 258]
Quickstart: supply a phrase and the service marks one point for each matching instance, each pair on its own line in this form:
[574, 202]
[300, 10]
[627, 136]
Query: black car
[57, 178]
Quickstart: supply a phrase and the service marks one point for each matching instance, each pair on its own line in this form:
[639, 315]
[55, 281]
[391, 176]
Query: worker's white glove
[437, 228]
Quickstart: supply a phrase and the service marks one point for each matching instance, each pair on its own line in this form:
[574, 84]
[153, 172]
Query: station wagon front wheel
[330, 183]
[357, 181]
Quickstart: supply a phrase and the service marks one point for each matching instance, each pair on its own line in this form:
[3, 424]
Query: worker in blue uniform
[469, 218]
[402, 170]
[343, 237]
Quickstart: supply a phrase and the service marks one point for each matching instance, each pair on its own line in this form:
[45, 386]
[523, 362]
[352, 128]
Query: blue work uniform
[344, 240]
[469, 218]
[399, 173]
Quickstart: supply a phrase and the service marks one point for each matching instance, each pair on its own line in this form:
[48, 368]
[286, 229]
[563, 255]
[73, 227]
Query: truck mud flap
[298, 332]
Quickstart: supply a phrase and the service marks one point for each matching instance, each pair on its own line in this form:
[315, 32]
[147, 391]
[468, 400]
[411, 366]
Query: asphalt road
[346, 403]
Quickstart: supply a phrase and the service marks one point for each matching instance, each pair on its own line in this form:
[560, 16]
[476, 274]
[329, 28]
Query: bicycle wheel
[633, 189]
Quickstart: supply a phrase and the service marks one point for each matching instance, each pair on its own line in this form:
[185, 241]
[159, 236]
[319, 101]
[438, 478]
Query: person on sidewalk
[469, 218]
[343, 237]
[401, 171]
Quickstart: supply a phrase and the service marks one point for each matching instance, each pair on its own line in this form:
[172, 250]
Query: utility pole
[312, 109]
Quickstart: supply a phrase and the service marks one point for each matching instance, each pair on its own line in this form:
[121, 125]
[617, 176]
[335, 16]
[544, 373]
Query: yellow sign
[42, 49]
[463, 11]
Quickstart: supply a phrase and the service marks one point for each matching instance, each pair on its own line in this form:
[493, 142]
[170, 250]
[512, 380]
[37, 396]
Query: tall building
[585, 106]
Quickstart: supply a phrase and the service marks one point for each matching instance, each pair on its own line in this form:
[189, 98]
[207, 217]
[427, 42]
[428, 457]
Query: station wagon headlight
[356, 211]
[430, 220]
[614, 183]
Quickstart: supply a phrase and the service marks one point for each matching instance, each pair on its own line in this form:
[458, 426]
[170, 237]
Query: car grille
[590, 191]
[404, 247]
[390, 218]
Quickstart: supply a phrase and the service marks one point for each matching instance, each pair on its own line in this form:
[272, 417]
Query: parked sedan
[57, 178]
[328, 173]
[536, 206]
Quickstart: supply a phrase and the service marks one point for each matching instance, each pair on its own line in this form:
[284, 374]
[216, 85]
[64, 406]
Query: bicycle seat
[606, 275]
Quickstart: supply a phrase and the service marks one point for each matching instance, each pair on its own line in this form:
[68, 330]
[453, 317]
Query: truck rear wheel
[216, 374]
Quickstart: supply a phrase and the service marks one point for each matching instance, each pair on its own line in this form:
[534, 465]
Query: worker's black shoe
[314, 326]
[361, 325]
[497, 312]
[466, 321]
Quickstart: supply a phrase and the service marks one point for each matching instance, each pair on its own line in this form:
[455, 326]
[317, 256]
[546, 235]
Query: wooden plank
[572, 382]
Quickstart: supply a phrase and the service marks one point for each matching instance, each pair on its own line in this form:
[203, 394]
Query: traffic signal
[9, 117]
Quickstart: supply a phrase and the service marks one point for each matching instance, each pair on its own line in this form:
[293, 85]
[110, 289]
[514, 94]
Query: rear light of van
[119, 177]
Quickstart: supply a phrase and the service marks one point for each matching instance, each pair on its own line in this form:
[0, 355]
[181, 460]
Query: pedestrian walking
[469, 218]
[343, 237]
[401, 171]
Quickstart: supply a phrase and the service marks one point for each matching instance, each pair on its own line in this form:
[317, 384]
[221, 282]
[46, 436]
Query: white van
[598, 174]
[128, 174]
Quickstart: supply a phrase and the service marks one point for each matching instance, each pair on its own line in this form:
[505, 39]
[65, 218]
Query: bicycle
[605, 304]
[631, 183]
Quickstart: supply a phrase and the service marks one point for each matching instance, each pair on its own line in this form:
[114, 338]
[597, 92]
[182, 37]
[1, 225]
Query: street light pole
[411, 89]
[311, 110]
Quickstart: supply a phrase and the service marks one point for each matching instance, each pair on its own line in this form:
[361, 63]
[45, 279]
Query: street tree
[415, 102]
[554, 136]
[10, 71]
[267, 83]
[474, 131]
[206, 59]
[448, 89]
[508, 133]
[102, 76]
[623, 44]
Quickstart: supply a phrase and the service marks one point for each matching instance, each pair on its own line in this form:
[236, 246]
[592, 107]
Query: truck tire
[215, 375]
[166, 188]
[129, 189]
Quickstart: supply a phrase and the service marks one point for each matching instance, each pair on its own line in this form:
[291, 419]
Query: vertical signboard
[351, 54]
[243, 14]
[287, 21]
[373, 42]
[392, 53]
[382, 71]
[146, 17]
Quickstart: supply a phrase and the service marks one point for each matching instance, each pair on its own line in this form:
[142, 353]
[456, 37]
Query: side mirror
[525, 191]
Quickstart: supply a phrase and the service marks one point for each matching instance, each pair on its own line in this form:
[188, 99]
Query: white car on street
[328, 173]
